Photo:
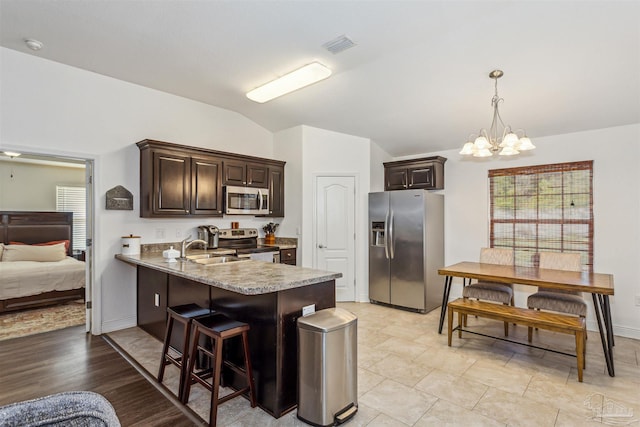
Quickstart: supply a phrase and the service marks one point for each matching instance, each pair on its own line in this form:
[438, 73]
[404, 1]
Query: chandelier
[500, 138]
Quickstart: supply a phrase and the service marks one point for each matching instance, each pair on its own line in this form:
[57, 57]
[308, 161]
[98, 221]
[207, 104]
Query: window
[72, 199]
[546, 208]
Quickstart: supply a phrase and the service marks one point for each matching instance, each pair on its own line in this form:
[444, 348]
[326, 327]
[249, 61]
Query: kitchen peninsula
[267, 296]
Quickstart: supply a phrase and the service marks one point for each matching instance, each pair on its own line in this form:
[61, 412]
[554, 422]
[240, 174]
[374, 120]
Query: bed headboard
[36, 227]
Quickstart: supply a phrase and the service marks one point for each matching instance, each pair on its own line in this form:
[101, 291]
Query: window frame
[79, 229]
[534, 245]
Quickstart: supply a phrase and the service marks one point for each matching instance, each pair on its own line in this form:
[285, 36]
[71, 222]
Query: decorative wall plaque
[119, 198]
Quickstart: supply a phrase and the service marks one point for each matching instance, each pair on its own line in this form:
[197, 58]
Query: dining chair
[562, 301]
[492, 291]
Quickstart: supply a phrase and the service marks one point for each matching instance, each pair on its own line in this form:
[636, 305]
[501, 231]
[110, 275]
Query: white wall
[32, 187]
[616, 178]
[332, 153]
[378, 157]
[51, 108]
[287, 146]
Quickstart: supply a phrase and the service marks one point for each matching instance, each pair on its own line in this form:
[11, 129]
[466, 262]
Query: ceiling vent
[339, 44]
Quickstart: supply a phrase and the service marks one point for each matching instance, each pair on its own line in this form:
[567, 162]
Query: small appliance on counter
[210, 234]
[130, 245]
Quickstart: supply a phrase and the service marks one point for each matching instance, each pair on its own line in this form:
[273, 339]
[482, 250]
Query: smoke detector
[33, 44]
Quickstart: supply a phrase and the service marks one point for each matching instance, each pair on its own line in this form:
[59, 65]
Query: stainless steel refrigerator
[406, 249]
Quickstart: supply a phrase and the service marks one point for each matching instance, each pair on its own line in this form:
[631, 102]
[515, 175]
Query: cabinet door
[421, 176]
[288, 256]
[257, 175]
[152, 301]
[171, 184]
[234, 173]
[276, 191]
[206, 186]
[395, 178]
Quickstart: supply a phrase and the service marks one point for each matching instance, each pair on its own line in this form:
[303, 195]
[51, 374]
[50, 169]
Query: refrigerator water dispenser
[377, 234]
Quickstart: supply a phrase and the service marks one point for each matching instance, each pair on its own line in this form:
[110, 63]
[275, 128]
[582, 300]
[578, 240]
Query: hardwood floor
[69, 359]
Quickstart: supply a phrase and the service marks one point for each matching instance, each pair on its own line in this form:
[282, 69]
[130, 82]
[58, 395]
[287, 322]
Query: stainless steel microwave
[246, 200]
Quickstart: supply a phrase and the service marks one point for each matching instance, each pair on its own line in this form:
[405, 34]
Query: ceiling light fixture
[305, 76]
[11, 154]
[500, 138]
[33, 44]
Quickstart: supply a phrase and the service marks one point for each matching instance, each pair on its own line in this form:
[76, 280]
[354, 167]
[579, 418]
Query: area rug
[38, 320]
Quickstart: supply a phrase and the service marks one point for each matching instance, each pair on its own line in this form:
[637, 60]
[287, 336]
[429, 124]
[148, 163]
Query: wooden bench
[537, 319]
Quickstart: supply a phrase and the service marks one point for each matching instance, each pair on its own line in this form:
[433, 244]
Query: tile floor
[408, 376]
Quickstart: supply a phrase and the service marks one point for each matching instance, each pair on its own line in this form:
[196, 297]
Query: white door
[335, 231]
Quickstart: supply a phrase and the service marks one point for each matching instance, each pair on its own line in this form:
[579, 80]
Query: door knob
[321, 246]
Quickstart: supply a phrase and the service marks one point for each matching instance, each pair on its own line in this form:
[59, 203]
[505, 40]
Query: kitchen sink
[199, 256]
[216, 260]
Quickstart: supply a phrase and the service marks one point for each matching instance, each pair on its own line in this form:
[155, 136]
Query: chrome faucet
[186, 243]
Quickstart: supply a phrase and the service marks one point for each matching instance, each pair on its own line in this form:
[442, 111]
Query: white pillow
[51, 253]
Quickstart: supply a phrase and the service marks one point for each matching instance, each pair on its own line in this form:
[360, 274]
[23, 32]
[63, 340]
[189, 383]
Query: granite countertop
[247, 277]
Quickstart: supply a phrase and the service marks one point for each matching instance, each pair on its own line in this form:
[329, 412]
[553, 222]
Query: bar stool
[218, 328]
[183, 314]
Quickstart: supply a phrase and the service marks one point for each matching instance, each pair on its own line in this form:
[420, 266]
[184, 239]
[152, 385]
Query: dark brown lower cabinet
[288, 256]
[152, 301]
[273, 337]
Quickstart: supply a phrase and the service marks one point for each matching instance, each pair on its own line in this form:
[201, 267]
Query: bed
[26, 283]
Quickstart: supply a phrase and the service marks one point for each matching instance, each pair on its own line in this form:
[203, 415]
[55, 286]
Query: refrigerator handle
[391, 238]
[386, 235]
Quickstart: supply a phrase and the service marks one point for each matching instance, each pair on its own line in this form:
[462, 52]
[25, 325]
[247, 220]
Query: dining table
[599, 285]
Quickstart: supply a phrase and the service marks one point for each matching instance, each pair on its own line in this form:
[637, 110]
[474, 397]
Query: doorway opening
[50, 183]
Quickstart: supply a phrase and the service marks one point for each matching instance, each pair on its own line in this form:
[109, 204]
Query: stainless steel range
[245, 242]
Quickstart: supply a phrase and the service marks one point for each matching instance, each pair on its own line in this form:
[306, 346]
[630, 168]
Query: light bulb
[467, 148]
[526, 144]
[481, 143]
[485, 152]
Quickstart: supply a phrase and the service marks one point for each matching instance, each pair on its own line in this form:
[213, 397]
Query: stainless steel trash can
[327, 367]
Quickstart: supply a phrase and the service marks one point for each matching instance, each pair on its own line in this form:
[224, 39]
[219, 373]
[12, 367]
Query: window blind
[544, 208]
[73, 199]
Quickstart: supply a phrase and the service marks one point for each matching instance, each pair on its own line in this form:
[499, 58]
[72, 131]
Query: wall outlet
[159, 233]
[308, 309]
[638, 300]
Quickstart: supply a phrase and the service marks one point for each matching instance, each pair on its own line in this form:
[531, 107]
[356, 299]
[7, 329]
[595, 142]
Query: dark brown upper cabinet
[178, 180]
[276, 191]
[245, 174]
[424, 173]
[206, 187]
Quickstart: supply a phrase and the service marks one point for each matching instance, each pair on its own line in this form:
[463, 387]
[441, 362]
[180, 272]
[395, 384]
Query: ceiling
[416, 81]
